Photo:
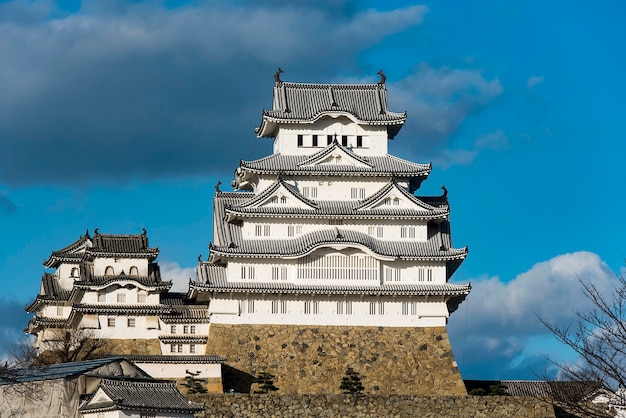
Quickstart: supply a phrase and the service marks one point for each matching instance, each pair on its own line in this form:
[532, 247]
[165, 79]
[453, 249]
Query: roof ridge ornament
[445, 191]
[277, 74]
[383, 77]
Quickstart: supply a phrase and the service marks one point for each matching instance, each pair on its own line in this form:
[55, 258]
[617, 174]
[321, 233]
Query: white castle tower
[323, 249]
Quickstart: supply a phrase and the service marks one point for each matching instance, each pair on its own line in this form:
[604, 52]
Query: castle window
[121, 297]
[387, 201]
[266, 230]
[74, 272]
[359, 141]
[335, 222]
[102, 296]
[379, 232]
[274, 199]
[130, 322]
[108, 271]
[344, 307]
[173, 329]
[329, 139]
[309, 192]
[192, 348]
[377, 306]
[316, 307]
[396, 202]
[290, 231]
[404, 232]
[179, 348]
[283, 200]
[250, 306]
[405, 308]
[307, 307]
[314, 141]
[192, 329]
[247, 272]
[413, 308]
[392, 274]
[300, 140]
[371, 230]
[185, 329]
[173, 348]
[274, 306]
[59, 310]
[142, 298]
[134, 271]
[279, 273]
[357, 193]
[344, 140]
[257, 230]
[111, 322]
[429, 275]
[283, 306]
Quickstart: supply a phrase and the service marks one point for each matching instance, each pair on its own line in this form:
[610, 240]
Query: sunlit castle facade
[110, 285]
[327, 230]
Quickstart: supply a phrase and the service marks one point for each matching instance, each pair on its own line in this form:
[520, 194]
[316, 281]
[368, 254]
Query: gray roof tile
[302, 102]
[148, 396]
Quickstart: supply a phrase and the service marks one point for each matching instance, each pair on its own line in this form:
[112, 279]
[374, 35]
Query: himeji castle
[326, 237]
[323, 257]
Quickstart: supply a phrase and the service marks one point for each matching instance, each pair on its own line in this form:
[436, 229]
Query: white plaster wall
[177, 371]
[121, 330]
[429, 311]
[374, 137]
[279, 228]
[119, 265]
[65, 277]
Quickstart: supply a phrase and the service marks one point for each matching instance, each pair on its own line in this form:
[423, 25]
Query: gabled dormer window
[134, 271]
[108, 271]
[74, 272]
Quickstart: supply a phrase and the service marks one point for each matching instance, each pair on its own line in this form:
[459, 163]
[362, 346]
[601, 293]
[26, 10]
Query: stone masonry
[313, 360]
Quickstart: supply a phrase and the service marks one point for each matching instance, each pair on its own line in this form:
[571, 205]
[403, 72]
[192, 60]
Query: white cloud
[178, 275]
[501, 317]
[495, 141]
[438, 100]
[120, 79]
[533, 81]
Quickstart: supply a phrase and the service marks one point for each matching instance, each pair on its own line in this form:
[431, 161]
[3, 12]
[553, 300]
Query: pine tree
[193, 384]
[351, 383]
[267, 383]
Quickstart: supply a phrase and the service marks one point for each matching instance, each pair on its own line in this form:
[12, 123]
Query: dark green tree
[266, 383]
[351, 383]
[193, 384]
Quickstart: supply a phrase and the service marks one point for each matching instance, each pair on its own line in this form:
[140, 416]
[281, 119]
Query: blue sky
[121, 115]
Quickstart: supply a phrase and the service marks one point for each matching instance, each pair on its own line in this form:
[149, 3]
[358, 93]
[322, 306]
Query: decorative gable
[335, 154]
[280, 195]
[394, 196]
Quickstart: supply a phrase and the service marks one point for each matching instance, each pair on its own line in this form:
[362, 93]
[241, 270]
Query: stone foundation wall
[313, 360]
[332, 406]
[135, 347]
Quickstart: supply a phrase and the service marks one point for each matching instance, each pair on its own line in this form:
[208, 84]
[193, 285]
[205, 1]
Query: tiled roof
[223, 285]
[189, 314]
[184, 339]
[128, 245]
[145, 396]
[189, 359]
[153, 281]
[342, 209]
[559, 390]
[379, 165]
[300, 102]
[433, 249]
[122, 309]
[50, 292]
[110, 366]
[73, 253]
[37, 322]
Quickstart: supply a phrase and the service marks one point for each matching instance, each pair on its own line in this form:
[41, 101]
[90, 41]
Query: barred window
[121, 297]
[130, 322]
[111, 322]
